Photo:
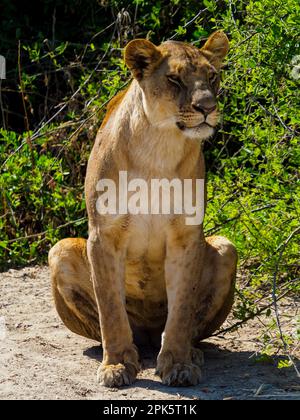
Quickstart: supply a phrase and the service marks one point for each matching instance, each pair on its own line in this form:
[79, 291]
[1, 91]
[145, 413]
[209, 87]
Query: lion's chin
[200, 132]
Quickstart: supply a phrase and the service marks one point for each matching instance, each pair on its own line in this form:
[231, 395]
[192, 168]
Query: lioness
[147, 276]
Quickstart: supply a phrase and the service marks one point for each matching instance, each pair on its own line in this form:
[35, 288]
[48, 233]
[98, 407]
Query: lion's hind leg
[218, 285]
[72, 288]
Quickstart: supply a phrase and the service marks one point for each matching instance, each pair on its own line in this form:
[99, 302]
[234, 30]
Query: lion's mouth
[183, 127]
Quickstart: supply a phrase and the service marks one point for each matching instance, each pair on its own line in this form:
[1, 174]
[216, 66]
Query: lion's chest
[146, 251]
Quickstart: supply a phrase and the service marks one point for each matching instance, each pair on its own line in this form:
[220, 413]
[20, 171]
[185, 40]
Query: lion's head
[179, 82]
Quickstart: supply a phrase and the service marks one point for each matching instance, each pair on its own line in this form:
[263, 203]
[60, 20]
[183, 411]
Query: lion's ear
[216, 48]
[141, 57]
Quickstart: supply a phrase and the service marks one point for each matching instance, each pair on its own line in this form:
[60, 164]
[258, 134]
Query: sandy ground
[41, 359]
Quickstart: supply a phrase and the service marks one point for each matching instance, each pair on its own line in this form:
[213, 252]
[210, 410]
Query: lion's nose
[204, 109]
[203, 101]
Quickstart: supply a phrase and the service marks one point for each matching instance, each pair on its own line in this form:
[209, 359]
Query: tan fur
[150, 273]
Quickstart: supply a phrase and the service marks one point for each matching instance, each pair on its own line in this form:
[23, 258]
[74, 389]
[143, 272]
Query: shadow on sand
[226, 375]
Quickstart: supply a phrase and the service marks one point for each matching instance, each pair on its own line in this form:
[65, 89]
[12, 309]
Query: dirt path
[41, 359]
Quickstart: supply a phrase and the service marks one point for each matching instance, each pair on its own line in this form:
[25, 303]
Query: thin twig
[190, 22]
[34, 235]
[275, 299]
[77, 131]
[249, 317]
[2, 106]
[232, 15]
[26, 120]
[231, 219]
[285, 395]
[246, 39]
[277, 117]
[95, 36]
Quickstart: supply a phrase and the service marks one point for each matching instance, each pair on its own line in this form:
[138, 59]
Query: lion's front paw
[116, 375]
[177, 374]
[119, 374]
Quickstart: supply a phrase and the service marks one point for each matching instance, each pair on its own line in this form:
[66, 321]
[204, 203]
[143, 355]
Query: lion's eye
[175, 80]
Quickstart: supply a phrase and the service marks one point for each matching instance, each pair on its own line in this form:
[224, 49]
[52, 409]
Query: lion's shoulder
[113, 104]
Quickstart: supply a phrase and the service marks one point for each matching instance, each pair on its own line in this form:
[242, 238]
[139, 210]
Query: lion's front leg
[120, 358]
[176, 363]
